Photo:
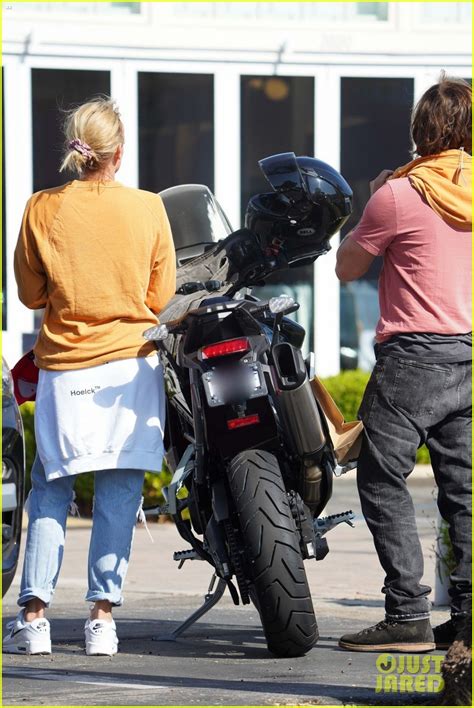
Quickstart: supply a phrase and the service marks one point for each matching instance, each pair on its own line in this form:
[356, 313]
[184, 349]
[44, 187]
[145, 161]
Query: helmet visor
[282, 172]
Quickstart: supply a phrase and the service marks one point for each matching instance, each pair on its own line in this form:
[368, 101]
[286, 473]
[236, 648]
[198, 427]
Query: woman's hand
[379, 181]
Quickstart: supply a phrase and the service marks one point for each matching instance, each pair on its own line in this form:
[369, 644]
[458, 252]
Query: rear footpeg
[323, 525]
[156, 511]
[188, 554]
[327, 523]
[340, 470]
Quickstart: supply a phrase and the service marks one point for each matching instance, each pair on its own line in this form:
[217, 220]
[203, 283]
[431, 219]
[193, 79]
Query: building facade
[206, 89]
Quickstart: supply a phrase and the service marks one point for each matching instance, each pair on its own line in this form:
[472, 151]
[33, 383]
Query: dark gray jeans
[408, 403]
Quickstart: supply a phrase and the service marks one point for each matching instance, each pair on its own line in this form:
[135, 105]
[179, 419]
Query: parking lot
[221, 660]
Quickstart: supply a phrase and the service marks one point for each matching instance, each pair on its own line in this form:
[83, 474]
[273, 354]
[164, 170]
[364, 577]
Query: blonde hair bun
[92, 133]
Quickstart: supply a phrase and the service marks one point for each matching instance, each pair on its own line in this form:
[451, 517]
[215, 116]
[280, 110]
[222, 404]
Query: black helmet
[310, 202]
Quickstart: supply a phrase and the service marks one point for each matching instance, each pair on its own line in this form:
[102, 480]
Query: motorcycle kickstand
[210, 599]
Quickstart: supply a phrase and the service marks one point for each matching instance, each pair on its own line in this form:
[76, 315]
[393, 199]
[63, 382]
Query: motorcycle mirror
[157, 333]
[281, 303]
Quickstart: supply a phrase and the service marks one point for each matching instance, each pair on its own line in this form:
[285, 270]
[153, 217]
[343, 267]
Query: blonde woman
[99, 257]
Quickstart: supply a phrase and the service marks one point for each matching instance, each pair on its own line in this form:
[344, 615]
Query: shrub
[423, 456]
[347, 389]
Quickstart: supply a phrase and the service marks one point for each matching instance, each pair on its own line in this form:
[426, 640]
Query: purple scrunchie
[81, 147]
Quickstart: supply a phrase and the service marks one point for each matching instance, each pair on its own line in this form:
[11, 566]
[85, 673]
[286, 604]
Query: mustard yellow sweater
[99, 258]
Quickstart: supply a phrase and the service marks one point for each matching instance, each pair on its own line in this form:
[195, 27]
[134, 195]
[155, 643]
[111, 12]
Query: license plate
[234, 384]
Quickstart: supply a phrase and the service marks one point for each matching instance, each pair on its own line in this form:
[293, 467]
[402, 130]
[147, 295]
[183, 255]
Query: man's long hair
[442, 118]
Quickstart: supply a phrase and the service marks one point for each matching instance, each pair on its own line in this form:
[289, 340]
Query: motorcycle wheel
[274, 565]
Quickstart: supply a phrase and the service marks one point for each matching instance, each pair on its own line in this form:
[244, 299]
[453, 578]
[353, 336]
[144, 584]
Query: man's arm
[372, 234]
[353, 261]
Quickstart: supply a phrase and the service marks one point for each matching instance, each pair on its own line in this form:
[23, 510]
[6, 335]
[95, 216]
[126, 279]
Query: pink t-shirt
[425, 283]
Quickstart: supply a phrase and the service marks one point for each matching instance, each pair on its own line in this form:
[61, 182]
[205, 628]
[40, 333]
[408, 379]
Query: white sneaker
[101, 638]
[27, 637]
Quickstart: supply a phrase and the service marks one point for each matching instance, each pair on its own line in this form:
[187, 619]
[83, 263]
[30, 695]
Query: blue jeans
[408, 403]
[117, 499]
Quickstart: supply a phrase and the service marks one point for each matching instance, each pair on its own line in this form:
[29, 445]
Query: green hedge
[346, 388]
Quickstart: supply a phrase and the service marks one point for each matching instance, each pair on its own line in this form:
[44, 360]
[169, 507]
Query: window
[372, 10]
[54, 90]
[375, 135]
[278, 116]
[375, 132]
[176, 130]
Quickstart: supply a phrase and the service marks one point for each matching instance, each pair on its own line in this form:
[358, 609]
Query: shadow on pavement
[352, 602]
[306, 690]
[138, 636]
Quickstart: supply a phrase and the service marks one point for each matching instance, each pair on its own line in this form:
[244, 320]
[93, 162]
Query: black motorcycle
[247, 443]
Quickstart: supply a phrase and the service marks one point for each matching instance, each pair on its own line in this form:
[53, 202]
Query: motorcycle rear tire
[273, 561]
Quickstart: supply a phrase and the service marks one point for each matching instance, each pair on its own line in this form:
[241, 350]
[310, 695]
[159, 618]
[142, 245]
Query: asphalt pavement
[222, 659]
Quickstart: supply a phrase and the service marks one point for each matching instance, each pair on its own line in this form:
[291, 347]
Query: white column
[227, 142]
[326, 285]
[124, 89]
[18, 148]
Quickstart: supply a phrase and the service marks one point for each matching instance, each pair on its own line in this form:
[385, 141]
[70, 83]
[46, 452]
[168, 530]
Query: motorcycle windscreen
[196, 217]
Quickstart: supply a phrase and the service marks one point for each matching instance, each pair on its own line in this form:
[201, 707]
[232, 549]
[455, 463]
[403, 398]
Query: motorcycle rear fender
[228, 443]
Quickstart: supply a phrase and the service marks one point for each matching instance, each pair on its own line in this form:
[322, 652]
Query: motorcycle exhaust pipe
[297, 403]
[302, 419]
[310, 485]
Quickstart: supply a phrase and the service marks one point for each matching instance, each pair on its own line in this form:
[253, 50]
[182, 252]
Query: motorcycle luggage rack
[211, 598]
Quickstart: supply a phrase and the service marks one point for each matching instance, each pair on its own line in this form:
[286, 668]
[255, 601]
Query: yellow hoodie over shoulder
[445, 182]
[99, 257]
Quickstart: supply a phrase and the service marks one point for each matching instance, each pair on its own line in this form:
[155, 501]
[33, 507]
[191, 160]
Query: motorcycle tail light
[231, 346]
[242, 422]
